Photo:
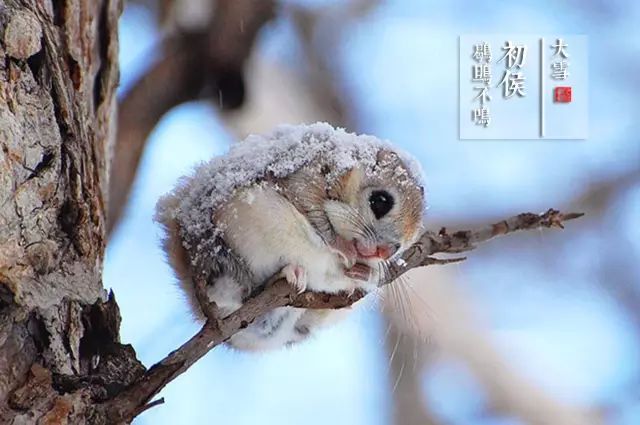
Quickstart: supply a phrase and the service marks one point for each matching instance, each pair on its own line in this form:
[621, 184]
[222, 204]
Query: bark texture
[58, 76]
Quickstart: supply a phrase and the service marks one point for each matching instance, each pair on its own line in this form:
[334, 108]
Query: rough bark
[58, 75]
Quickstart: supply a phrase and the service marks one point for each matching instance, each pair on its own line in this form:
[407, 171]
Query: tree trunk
[58, 330]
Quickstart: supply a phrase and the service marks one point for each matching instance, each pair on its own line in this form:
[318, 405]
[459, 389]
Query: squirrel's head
[376, 211]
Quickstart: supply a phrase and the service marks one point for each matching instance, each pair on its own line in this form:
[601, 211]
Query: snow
[280, 153]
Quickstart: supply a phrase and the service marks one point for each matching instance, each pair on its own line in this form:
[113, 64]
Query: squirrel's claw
[296, 276]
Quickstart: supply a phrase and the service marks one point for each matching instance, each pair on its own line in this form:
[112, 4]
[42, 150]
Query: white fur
[269, 233]
[227, 295]
[266, 230]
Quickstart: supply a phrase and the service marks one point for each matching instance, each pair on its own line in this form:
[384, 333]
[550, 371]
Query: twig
[279, 294]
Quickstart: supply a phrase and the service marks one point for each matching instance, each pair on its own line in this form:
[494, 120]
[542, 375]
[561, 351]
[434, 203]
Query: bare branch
[279, 294]
[465, 240]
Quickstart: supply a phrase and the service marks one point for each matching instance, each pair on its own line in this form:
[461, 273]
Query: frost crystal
[287, 149]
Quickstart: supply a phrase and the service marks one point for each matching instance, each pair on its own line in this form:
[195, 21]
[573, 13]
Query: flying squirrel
[326, 209]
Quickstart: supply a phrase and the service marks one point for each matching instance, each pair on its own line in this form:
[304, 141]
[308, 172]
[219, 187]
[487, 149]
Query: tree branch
[280, 294]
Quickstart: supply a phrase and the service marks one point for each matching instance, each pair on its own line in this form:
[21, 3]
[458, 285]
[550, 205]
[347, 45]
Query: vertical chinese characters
[513, 79]
[560, 66]
[522, 86]
[481, 73]
[560, 71]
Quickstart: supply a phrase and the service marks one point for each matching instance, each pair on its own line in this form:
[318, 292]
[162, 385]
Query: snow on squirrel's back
[287, 149]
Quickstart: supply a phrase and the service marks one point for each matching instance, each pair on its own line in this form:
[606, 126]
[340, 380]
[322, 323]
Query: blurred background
[536, 328]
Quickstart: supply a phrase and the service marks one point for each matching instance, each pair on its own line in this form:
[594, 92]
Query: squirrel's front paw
[296, 276]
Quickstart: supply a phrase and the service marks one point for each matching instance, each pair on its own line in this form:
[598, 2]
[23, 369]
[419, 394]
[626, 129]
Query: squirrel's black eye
[380, 203]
